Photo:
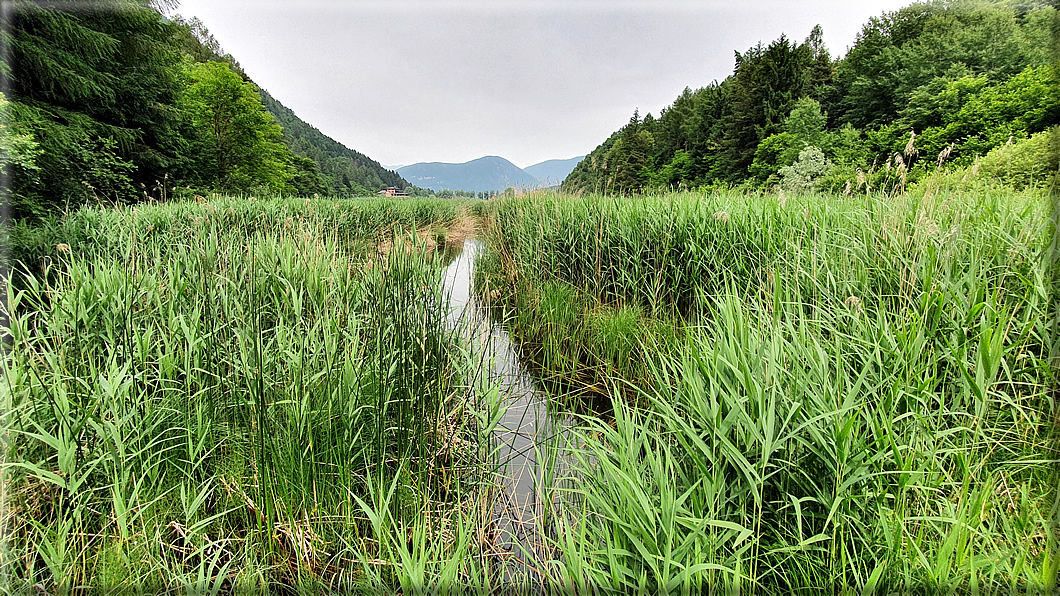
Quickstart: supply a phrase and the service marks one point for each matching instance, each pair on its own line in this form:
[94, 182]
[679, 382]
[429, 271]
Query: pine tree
[96, 83]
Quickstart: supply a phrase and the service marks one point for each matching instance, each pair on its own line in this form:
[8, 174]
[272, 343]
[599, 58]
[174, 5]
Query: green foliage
[680, 169]
[196, 41]
[899, 52]
[1025, 163]
[849, 393]
[622, 164]
[977, 117]
[629, 157]
[806, 123]
[804, 127]
[109, 92]
[17, 150]
[305, 160]
[76, 162]
[773, 153]
[306, 180]
[343, 171]
[234, 140]
[95, 85]
[764, 87]
[964, 75]
[589, 174]
[222, 394]
[807, 171]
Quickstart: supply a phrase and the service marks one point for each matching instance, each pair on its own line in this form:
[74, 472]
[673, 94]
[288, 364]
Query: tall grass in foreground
[825, 393]
[237, 396]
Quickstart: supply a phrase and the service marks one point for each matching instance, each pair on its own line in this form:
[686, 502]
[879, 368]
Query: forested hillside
[344, 170]
[553, 171]
[934, 85]
[111, 102]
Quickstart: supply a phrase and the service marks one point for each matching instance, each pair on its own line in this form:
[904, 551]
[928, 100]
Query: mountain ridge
[487, 173]
[552, 172]
[343, 170]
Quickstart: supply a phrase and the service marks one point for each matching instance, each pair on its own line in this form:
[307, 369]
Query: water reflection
[525, 428]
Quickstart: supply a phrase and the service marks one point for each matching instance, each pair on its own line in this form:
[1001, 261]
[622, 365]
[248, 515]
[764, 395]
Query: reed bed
[807, 394]
[239, 395]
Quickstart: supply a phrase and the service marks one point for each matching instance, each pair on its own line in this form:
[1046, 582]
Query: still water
[526, 429]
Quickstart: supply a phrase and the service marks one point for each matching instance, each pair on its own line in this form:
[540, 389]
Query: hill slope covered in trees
[932, 85]
[112, 102]
[553, 171]
[344, 170]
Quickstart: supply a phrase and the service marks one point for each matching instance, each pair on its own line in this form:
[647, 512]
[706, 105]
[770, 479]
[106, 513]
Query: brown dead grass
[463, 228]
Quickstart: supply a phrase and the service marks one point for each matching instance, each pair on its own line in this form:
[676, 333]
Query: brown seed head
[910, 150]
[945, 153]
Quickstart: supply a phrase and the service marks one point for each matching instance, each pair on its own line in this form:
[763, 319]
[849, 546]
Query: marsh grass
[813, 393]
[803, 394]
[238, 395]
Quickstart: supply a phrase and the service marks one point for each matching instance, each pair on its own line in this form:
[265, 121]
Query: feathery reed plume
[926, 228]
[945, 154]
[910, 150]
[721, 216]
[854, 302]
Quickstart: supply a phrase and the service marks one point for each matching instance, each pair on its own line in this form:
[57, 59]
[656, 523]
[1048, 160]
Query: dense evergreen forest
[942, 84]
[112, 102]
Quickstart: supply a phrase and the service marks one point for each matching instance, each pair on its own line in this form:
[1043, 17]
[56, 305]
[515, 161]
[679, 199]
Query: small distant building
[392, 191]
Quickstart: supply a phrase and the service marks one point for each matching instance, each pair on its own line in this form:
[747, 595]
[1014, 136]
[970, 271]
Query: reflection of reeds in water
[522, 422]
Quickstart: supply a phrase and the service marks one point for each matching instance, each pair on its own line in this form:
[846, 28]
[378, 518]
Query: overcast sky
[406, 81]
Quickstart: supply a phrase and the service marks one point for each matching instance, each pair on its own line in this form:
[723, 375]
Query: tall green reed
[205, 396]
[827, 393]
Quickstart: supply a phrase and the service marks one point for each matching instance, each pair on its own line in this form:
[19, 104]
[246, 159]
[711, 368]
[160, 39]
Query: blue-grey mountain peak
[490, 173]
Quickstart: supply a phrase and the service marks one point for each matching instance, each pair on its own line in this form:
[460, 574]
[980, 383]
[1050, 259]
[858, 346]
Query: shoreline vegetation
[800, 393]
[797, 333]
[238, 394]
[817, 392]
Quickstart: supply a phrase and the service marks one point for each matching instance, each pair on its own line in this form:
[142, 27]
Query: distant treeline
[482, 194]
[935, 84]
[110, 101]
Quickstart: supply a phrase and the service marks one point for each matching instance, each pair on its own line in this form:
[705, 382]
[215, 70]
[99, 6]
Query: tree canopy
[954, 77]
[110, 101]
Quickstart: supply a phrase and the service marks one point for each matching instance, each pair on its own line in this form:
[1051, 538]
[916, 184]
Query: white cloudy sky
[405, 81]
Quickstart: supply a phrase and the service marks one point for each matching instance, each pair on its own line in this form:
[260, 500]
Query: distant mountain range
[554, 171]
[486, 174]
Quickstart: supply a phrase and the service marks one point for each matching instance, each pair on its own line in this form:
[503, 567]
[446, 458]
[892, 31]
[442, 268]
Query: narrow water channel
[526, 427]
